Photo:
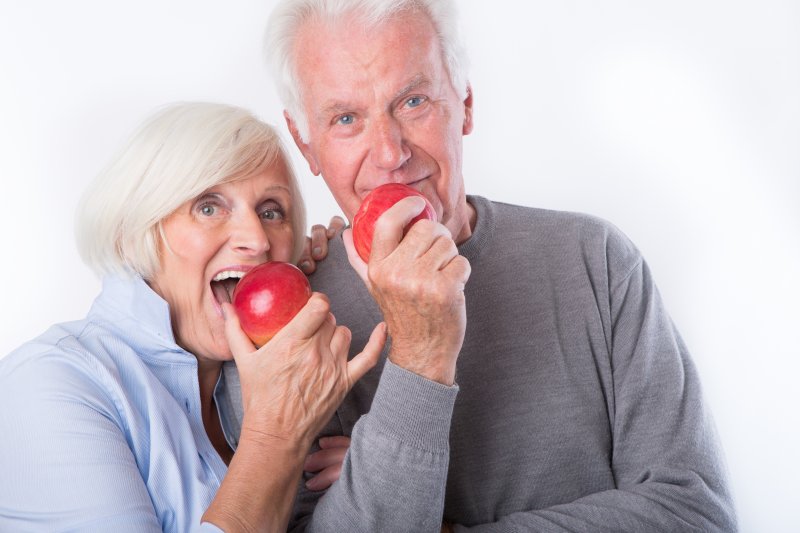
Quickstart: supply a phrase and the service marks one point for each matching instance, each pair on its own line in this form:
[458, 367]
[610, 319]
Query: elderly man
[534, 381]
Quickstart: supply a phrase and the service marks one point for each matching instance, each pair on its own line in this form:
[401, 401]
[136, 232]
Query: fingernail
[317, 250]
[311, 484]
[305, 265]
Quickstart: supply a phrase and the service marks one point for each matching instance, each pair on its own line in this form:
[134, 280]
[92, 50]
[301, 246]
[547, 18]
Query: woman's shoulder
[69, 360]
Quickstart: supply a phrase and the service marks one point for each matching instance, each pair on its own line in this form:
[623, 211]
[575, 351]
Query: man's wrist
[413, 409]
[444, 373]
[432, 361]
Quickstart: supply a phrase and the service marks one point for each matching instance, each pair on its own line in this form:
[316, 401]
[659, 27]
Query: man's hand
[418, 282]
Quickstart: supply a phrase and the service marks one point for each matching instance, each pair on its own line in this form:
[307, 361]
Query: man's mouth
[223, 284]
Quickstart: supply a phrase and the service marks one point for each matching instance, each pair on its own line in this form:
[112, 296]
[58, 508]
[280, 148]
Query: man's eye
[415, 101]
[345, 120]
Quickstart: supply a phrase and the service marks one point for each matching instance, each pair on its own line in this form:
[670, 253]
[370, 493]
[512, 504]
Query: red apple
[268, 297]
[377, 201]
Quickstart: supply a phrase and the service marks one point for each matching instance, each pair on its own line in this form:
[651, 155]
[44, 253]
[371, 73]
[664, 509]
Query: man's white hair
[176, 155]
[290, 15]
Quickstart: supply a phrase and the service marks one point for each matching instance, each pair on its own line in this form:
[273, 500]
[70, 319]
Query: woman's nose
[388, 150]
[248, 235]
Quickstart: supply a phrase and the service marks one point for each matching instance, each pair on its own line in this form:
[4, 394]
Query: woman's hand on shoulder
[316, 246]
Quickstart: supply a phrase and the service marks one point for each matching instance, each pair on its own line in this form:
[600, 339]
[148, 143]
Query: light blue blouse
[100, 424]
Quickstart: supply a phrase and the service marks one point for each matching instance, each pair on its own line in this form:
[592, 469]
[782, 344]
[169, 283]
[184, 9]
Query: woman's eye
[272, 214]
[208, 210]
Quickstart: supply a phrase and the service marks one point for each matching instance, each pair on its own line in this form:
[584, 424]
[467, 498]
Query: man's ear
[468, 124]
[305, 149]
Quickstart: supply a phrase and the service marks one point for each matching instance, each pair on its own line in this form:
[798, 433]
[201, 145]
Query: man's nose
[248, 236]
[388, 150]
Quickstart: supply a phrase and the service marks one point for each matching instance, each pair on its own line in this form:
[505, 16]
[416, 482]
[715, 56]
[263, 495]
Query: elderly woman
[118, 422]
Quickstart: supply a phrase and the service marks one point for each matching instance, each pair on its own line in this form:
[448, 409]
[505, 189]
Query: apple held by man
[375, 204]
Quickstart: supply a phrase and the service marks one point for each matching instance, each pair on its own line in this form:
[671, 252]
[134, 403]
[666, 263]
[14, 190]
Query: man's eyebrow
[335, 108]
[416, 82]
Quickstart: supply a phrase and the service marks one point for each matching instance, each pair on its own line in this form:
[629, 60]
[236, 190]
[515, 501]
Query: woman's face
[221, 234]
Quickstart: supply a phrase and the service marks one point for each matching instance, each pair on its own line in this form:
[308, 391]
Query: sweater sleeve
[666, 462]
[393, 477]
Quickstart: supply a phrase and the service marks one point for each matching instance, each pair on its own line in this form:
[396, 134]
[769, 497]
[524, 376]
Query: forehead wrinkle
[360, 59]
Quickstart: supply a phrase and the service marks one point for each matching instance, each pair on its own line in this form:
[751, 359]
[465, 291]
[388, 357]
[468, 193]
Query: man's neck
[471, 217]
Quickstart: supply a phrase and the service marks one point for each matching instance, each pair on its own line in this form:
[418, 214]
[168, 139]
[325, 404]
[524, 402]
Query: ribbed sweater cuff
[413, 409]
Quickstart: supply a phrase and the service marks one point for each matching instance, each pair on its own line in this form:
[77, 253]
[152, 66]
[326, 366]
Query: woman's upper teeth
[227, 274]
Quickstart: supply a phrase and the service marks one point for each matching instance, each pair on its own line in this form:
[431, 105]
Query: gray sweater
[577, 407]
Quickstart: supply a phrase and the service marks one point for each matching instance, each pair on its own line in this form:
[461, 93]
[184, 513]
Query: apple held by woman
[268, 297]
[376, 202]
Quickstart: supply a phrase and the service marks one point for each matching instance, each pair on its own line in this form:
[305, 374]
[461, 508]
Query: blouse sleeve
[64, 458]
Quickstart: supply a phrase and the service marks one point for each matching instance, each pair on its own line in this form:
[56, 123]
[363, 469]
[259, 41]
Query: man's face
[381, 108]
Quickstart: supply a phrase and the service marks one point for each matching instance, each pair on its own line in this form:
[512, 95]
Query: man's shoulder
[561, 236]
[563, 226]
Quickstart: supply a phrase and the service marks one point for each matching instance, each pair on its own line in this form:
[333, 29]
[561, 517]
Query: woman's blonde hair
[176, 155]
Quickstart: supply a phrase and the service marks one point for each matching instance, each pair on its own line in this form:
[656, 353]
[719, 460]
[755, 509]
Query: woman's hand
[292, 385]
[290, 389]
[316, 247]
[326, 462]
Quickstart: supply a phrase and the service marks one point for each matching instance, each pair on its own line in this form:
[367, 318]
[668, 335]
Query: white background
[678, 121]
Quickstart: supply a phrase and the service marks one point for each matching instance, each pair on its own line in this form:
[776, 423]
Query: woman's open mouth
[224, 283]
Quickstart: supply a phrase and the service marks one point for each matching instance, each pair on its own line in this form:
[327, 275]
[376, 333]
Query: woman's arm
[65, 462]
[290, 389]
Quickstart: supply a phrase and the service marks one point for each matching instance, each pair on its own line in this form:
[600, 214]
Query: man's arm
[666, 461]
[393, 477]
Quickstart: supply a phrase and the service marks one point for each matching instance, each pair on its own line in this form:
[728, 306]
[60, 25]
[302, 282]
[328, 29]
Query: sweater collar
[482, 232]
